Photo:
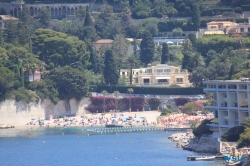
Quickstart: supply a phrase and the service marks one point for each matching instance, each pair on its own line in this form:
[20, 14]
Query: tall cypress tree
[87, 20]
[1, 37]
[196, 17]
[165, 54]
[89, 29]
[192, 38]
[147, 48]
[110, 71]
[93, 58]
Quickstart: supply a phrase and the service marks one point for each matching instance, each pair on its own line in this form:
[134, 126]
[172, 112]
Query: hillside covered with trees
[62, 49]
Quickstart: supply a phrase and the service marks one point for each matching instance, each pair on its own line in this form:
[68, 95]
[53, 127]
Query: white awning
[179, 77]
[159, 78]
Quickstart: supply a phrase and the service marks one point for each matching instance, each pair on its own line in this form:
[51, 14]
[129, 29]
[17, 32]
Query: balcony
[211, 107]
[212, 89]
[244, 109]
[232, 87]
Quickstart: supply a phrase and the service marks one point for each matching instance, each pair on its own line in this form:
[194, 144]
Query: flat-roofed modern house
[159, 75]
[230, 104]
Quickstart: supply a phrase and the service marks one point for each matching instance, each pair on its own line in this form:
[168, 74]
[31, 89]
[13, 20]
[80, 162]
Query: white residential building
[230, 105]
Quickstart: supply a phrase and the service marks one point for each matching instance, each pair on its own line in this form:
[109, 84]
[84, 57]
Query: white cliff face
[19, 113]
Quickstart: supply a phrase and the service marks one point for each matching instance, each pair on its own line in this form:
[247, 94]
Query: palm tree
[104, 92]
[130, 90]
[116, 93]
[131, 60]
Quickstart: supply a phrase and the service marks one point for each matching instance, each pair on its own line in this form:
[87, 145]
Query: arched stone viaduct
[56, 10]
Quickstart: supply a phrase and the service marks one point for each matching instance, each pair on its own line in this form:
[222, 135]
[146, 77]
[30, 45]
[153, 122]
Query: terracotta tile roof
[103, 41]
[7, 17]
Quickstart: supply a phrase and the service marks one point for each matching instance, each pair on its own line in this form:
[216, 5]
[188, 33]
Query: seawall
[19, 113]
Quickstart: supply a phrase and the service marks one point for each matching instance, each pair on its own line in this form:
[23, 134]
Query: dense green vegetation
[202, 129]
[62, 50]
[233, 134]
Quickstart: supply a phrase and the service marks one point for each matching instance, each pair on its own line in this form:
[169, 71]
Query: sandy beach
[99, 119]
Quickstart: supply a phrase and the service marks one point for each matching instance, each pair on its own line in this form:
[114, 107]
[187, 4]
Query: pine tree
[147, 48]
[165, 57]
[110, 71]
[196, 17]
[87, 20]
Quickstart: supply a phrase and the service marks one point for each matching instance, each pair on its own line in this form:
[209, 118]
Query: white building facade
[230, 104]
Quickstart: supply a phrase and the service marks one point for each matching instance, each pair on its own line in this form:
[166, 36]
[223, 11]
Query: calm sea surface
[73, 147]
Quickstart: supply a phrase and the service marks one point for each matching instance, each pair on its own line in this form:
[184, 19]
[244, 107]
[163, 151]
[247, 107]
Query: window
[226, 122]
[246, 114]
[248, 29]
[236, 115]
[241, 29]
[159, 71]
[149, 71]
[179, 79]
[123, 73]
[213, 27]
[246, 96]
[226, 113]
[166, 70]
[216, 114]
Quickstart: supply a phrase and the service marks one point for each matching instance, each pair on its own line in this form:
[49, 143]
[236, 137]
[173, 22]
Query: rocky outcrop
[187, 141]
[182, 139]
[247, 160]
[204, 144]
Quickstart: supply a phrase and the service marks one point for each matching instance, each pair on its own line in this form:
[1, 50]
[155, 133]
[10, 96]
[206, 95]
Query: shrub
[202, 129]
[181, 101]
[233, 134]
[22, 94]
[137, 103]
[154, 103]
[148, 90]
[177, 32]
[192, 107]
[238, 10]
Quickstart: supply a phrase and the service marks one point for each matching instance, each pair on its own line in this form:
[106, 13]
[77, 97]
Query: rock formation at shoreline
[204, 144]
[182, 139]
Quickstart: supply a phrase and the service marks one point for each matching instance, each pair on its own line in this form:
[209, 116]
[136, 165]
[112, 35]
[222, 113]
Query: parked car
[141, 95]
[199, 97]
[190, 97]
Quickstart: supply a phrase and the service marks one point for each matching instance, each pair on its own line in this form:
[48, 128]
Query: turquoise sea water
[73, 147]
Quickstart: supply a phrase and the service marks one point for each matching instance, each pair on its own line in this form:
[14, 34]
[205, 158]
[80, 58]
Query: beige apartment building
[159, 75]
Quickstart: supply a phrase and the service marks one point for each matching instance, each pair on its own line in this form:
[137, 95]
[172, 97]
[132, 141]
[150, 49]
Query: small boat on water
[200, 158]
[238, 163]
[205, 158]
[113, 125]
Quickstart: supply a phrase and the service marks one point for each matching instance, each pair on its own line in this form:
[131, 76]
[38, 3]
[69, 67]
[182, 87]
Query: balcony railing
[167, 73]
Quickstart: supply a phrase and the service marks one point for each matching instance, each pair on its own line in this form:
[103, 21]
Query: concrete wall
[19, 113]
